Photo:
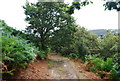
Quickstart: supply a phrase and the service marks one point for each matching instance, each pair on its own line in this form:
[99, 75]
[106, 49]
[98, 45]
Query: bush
[91, 57]
[107, 48]
[85, 42]
[106, 68]
[43, 53]
[101, 65]
[73, 55]
[16, 52]
[115, 74]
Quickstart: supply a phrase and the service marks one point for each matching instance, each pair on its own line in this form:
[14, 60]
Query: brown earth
[36, 70]
[56, 67]
[81, 68]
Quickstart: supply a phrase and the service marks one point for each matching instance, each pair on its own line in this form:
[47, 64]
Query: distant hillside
[103, 31]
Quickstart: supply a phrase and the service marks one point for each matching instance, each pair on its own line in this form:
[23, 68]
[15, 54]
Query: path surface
[56, 67]
[62, 68]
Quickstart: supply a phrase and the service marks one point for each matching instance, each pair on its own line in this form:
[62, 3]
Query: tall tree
[45, 19]
[86, 41]
[64, 37]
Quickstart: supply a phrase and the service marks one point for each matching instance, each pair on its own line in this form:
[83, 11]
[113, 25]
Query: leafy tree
[45, 19]
[108, 48]
[9, 30]
[86, 42]
[77, 5]
[109, 5]
[112, 5]
[64, 37]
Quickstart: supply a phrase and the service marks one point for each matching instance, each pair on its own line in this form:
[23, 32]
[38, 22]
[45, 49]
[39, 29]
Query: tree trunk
[42, 44]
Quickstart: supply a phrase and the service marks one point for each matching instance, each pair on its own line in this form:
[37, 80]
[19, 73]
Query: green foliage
[99, 65]
[16, 52]
[85, 42]
[53, 21]
[117, 60]
[109, 5]
[12, 31]
[77, 5]
[48, 50]
[73, 55]
[50, 25]
[8, 72]
[112, 5]
[43, 53]
[91, 57]
[108, 48]
[115, 74]
[103, 53]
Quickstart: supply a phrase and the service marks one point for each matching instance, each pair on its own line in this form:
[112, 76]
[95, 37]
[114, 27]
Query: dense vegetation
[52, 21]
[52, 28]
[16, 52]
[101, 53]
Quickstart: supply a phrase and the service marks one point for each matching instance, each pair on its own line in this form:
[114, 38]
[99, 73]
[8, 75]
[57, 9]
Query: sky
[91, 17]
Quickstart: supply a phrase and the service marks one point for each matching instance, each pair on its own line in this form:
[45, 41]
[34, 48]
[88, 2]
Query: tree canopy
[109, 5]
[46, 19]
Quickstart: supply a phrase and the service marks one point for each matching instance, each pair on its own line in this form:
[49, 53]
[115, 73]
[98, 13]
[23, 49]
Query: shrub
[43, 53]
[16, 53]
[91, 57]
[103, 67]
[73, 55]
[99, 64]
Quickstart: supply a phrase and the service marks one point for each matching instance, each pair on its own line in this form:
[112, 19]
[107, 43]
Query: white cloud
[92, 16]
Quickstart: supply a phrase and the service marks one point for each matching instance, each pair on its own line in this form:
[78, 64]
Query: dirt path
[61, 68]
[56, 67]
[64, 68]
